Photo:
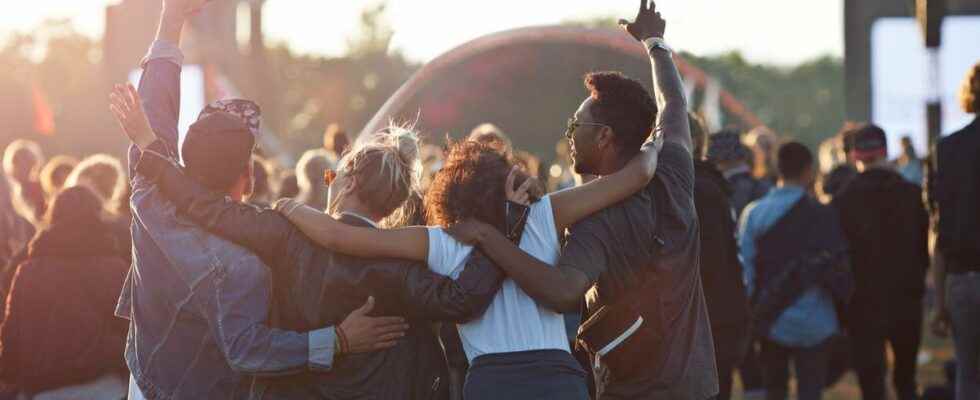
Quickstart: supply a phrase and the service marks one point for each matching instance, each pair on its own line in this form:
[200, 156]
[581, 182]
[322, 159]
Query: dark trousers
[731, 344]
[810, 364]
[904, 335]
[750, 370]
[530, 375]
[963, 298]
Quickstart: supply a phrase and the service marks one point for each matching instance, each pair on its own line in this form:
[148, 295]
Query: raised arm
[572, 205]
[410, 243]
[668, 89]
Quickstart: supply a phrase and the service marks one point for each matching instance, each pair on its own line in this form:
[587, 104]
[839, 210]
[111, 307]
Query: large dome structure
[528, 81]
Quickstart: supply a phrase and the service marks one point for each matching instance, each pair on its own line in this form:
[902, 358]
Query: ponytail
[387, 170]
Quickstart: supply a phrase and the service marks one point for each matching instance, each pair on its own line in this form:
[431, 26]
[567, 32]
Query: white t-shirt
[514, 321]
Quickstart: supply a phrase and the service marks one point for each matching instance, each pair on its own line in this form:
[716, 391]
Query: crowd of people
[658, 262]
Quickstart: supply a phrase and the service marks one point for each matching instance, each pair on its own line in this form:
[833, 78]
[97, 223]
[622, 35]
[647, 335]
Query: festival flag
[43, 116]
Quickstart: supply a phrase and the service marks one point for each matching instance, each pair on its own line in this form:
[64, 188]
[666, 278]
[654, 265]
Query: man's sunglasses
[573, 124]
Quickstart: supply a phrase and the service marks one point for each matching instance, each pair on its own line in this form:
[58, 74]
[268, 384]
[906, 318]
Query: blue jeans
[810, 364]
[963, 299]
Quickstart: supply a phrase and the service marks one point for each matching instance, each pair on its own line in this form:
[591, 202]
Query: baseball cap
[866, 142]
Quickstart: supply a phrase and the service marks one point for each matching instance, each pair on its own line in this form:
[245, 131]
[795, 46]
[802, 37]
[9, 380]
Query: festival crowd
[658, 262]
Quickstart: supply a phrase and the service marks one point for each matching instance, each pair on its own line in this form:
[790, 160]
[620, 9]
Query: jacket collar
[354, 219]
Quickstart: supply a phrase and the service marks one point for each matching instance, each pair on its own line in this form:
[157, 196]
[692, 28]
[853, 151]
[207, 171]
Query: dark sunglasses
[574, 124]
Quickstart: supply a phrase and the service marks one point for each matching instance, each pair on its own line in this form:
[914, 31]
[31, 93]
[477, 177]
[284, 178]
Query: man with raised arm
[635, 263]
[198, 305]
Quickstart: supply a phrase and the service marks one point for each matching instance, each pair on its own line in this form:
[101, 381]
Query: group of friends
[672, 266]
[229, 300]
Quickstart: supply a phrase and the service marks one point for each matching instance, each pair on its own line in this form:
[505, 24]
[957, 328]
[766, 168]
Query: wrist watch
[657, 43]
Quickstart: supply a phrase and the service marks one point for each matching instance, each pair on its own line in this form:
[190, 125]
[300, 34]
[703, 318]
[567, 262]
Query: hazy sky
[771, 31]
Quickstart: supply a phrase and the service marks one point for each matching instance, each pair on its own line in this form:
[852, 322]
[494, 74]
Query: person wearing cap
[733, 159]
[957, 268]
[886, 225]
[198, 306]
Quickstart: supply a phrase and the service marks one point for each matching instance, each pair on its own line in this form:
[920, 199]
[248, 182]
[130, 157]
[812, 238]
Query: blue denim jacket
[198, 305]
[812, 318]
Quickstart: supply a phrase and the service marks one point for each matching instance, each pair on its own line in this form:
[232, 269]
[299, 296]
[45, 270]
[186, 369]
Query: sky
[782, 32]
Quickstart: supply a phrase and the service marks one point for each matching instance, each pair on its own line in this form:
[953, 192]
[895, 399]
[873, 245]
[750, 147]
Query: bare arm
[574, 204]
[410, 243]
[668, 89]
[560, 289]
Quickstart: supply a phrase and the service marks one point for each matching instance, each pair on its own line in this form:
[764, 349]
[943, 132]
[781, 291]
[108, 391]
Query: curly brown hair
[470, 185]
[970, 91]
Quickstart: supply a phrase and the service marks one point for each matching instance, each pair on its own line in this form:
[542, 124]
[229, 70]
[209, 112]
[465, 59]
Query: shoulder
[969, 134]
[542, 214]
[445, 252]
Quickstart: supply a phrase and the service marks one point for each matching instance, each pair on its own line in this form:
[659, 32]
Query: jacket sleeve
[235, 314]
[427, 295]
[230, 289]
[264, 231]
[159, 89]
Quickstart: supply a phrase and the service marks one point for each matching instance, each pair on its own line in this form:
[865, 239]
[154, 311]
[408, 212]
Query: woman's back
[514, 321]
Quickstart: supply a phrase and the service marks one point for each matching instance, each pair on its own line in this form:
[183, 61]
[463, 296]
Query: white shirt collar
[366, 219]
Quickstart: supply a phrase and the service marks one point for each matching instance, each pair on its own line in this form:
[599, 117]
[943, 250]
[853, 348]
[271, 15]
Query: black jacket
[316, 287]
[721, 270]
[957, 191]
[886, 225]
[60, 329]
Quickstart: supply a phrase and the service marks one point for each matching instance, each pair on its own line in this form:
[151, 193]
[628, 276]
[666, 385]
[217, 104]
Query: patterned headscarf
[247, 110]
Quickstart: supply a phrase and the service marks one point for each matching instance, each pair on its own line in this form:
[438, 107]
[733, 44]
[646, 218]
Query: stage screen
[899, 76]
[191, 95]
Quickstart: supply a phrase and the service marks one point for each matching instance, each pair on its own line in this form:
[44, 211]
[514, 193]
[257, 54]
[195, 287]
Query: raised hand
[523, 194]
[125, 105]
[359, 333]
[648, 23]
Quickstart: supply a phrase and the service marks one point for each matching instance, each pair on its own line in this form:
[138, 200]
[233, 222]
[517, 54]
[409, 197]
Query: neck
[612, 164]
[354, 206]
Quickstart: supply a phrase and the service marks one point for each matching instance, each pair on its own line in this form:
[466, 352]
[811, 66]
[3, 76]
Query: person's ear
[605, 137]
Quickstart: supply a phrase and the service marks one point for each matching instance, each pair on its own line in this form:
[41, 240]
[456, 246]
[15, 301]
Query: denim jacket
[198, 305]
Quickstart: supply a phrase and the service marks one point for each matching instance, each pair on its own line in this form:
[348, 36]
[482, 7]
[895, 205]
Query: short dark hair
[623, 104]
[217, 150]
[793, 159]
[866, 137]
